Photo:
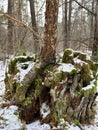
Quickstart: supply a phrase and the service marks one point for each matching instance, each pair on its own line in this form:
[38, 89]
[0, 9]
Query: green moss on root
[67, 56]
[85, 74]
[12, 68]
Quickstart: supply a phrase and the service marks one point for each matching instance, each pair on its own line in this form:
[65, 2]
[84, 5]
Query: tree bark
[95, 44]
[91, 27]
[65, 45]
[51, 14]
[34, 25]
[10, 27]
[69, 22]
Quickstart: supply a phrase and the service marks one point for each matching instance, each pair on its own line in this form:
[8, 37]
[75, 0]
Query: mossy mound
[21, 59]
[62, 90]
[67, 57]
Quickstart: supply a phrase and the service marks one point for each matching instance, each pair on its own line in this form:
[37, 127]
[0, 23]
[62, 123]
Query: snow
[66, 67]
[72, 127]
[8, 119]
[22, 72]
[44, 110]
[90, 86]
[78, 61]
[2, 76]
[37, 126]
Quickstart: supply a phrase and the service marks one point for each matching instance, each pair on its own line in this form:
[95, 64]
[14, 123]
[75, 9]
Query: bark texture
[10, 27]
[34, 25]
[95, 44]
[51, 14]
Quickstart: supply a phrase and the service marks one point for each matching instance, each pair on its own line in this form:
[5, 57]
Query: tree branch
[84, 7]
[22, 24]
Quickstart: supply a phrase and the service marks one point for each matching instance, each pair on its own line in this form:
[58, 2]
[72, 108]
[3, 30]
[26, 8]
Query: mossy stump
[63, 93]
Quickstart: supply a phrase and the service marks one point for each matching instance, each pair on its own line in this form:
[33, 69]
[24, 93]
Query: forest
[48, 64]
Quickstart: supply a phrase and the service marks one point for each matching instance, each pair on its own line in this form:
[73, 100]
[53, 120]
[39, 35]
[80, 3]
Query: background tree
[95, 44]
[10, 28]
[92, 26]
[34, 25]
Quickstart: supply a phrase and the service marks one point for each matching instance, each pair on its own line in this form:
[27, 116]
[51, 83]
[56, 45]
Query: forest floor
[9, 118]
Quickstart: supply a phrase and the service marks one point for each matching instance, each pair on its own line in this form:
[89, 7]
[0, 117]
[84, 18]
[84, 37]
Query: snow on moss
[44, 110]
[79, 61]
[90, 86]
[23, 68]
[66, 67]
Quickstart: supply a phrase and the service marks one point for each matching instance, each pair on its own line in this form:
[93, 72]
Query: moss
[80, 56]
[85, 74]
[90, 91]
[56, 117]
[79, 87]
[76, 54]
[95, 58]
[28, 101]
[57, 78]
[38, 87]
[75, 122]
[93, 67]
[12, 68]
[14, 86]
[73, 72]
[21, 93]
[67, 56]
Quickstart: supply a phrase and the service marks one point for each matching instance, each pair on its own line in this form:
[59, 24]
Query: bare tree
[69, 20]
[34, 25]
[67, 23]
[95, 44]
[10, 27]
[65, 45]
[91, 27]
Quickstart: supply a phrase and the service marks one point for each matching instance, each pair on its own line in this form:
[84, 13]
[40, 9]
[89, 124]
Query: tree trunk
[65, 45]
[91, 28]
[95, 44]
[33, 19]
[10, 27]
[48, 53]
[69, 21]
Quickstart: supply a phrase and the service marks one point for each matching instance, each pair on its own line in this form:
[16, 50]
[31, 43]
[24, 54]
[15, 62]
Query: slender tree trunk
[91, 27]
[51, 14]
[65, 45]
[10, 27]
[20, 10]
[33, 19]
[95, 44]
[69, 20]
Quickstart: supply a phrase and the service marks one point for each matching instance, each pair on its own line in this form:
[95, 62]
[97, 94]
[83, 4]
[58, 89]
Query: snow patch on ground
[9, 119]
[37, 126]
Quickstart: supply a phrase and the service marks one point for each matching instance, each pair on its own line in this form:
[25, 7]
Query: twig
[22, 24]
[84, 7]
